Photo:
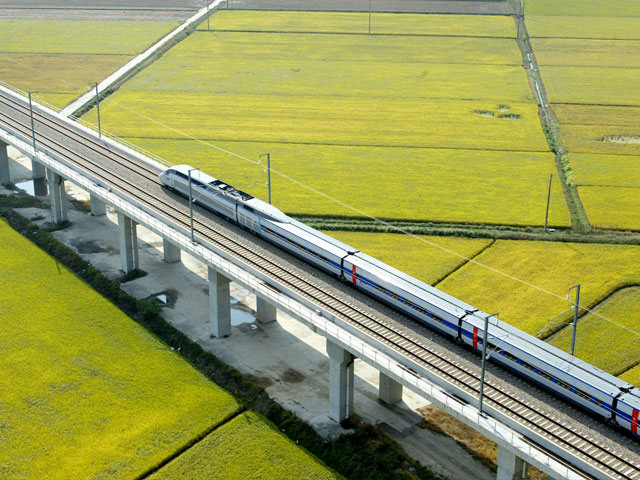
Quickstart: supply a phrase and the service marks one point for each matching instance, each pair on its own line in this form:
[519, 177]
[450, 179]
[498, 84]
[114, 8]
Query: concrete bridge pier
[389, 391]
[59, 202]
[98, 207]
[340, 382]
[4, 164]
[510, 466]
[171, 252]
[219, 304]
[37, 170]
[265, 311]
[128, 243]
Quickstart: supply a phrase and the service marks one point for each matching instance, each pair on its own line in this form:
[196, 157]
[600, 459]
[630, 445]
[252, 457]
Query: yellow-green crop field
[84, 389]
[581, 52]
[612, 207]
[592, 85]
[632, 376]
[331, 109]
[554, 267]
[80, 37]
[421, 256]
[353, 22]
[606, 170]
[587, 8]
[603, 139]
[621, 28]
[255, 47]
[246, 447]
[619, 349]
[58, 79]
[502, 187]
[614, 115]
[59, 58]
[334, 120]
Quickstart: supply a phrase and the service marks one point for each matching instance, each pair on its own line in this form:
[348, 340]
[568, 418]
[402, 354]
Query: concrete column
[4, 164]
[128, 243]
[340, 382]
[390, 391]
[510, 466]
[171, 251]
[219, 304]
[265, 312]
[37, 169]
[98, 207]
[59, 202]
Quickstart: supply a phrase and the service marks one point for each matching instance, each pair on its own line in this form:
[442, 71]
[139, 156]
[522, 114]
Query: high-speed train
[583, 384]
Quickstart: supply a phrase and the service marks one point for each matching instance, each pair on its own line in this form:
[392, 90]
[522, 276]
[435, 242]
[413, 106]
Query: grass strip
[365, 453]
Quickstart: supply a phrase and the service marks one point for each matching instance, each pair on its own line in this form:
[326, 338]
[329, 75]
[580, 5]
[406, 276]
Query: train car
[579, 382]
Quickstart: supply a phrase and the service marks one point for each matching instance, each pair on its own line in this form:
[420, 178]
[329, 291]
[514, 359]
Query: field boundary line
[592, 309]
[193, 442]
[109, 84]
[464, 262]
[381, 34]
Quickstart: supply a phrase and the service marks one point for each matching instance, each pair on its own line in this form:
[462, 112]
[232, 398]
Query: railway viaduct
[61, 151]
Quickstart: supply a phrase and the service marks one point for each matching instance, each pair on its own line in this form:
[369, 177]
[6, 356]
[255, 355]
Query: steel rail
[409, 347]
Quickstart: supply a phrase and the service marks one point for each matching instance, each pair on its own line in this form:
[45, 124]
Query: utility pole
[191, 204]
[575, 316]
[485, 340]
[98, 108]
[33, 131]
[268, 155]
[546, 218]
[369, 17]
[208, 15]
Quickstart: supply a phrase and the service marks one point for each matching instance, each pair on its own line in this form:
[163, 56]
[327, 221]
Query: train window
[596, 401]
[181, 175]
[564, 384]
[248, 208]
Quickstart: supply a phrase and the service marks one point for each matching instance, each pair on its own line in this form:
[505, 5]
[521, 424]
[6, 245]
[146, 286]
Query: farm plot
[245, 447]
[358, 22]
[416, 184]
[612, 207]
[586, 8]
[619, 349]
[590, 83]
[600, 269]
[632, 376]
[85, 390]
[343, 106]
[424, 257]
[59, 58]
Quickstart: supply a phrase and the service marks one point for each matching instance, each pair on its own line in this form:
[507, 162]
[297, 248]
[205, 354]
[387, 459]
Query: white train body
[581, 383]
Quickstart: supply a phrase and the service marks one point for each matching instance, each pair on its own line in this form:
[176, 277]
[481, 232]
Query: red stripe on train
[475, 337]
[353, 274]
[634, 421]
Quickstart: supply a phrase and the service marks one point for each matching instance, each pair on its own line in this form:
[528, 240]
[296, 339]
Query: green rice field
[600, 269]
[59, 58]
[341, 106]
[88, 393]
[246, 447]
[358, 22]
[80, 376]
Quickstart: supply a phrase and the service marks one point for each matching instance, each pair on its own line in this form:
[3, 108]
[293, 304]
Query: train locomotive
[581, 383]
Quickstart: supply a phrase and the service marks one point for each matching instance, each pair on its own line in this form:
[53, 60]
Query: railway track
[66, 143]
